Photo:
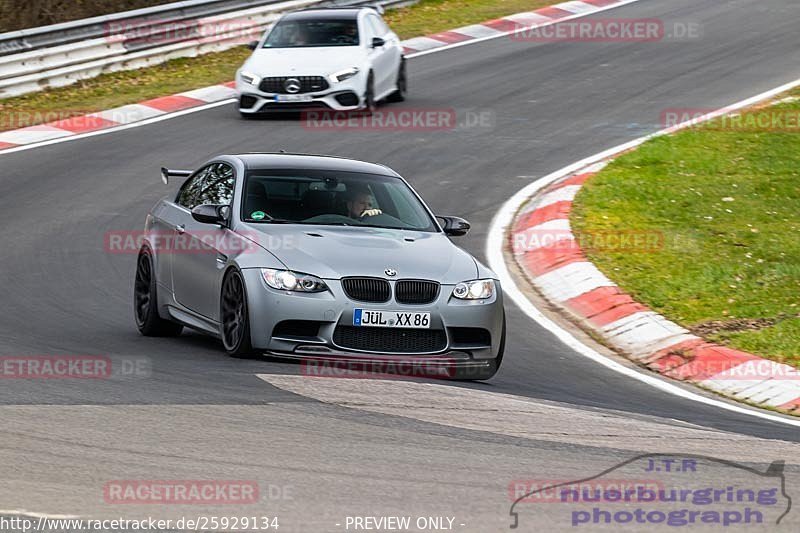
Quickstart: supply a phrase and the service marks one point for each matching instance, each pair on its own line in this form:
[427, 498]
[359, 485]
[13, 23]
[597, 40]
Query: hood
[316, 61]
[333, 253]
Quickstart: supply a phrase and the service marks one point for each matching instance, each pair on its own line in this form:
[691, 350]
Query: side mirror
[211, 214]
[377, 42]
[252, 45]
[454, 226]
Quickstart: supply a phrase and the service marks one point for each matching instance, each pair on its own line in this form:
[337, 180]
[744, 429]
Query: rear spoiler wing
[166, 174]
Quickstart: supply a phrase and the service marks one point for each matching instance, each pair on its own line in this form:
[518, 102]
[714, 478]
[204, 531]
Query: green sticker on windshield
[258, 215]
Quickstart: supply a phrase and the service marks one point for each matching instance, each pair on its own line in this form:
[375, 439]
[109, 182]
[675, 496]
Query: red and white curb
[546, 250]
[158, 107]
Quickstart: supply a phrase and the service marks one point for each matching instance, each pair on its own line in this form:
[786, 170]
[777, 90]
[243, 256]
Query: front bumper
[342, 96]
[454, 321]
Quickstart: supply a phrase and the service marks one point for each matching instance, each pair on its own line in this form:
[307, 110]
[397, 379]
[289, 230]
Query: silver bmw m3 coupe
[316, 258]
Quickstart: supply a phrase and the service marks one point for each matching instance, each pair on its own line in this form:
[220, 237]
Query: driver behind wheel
[349, 35]
[359, 203]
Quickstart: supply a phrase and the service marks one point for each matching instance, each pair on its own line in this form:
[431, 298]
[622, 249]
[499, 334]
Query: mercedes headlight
[342, 75]
[479, 289]
[286, 280]
[249, 78]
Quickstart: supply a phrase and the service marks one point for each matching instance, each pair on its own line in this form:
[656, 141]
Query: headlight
[286, 280]
[343, 75]
[249, 77]
[479, 289]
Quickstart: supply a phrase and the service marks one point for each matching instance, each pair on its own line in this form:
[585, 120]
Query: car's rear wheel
[369, 95]
[399, 94]
[145, 301]
[234, 317]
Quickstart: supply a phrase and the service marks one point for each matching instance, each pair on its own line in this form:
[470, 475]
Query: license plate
[391, 319]
[293, 98]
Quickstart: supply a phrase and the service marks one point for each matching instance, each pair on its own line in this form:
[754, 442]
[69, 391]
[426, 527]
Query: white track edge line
[495, 246]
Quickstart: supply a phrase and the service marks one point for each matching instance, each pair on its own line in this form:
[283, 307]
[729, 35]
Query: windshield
[307, 33]
[321, 197]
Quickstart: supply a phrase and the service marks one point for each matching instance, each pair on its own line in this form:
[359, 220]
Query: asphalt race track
[354, 447]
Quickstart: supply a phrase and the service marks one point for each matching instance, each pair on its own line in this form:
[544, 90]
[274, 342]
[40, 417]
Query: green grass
[121, 88]
[728, 205]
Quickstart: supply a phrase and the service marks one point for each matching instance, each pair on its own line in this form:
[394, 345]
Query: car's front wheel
[145, 301]
[234, 317]
[399, 93]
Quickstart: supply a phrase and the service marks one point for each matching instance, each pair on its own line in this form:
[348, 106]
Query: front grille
[367, 289]
[412, 291]
[269, 107]
[390, 340]
[308, 84]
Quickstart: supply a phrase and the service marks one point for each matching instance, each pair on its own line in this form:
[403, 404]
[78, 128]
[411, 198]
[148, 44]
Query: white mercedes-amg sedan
[339, 59]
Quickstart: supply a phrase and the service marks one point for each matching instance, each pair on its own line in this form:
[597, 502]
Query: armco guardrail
[81, 30]
[62, 54]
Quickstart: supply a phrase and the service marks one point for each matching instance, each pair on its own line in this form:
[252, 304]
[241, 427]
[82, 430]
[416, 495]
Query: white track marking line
[496, 242]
